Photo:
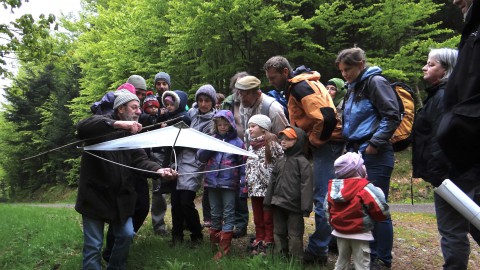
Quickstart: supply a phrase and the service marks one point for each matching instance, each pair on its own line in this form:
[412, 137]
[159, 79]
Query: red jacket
[353, 204]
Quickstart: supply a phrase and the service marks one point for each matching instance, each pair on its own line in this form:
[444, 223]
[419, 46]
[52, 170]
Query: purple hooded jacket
[231, 178]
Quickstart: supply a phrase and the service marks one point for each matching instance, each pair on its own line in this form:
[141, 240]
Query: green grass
[39, 238]
[36, 237]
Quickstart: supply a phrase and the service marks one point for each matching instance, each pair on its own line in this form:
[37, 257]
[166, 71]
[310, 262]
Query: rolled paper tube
[460, 201]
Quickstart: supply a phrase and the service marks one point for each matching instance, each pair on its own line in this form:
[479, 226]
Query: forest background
[197, 42]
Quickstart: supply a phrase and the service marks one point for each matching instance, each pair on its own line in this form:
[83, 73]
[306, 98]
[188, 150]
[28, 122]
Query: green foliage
[23, 37]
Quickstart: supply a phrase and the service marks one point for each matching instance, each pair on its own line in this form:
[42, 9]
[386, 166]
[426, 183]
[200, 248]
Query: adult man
[140, 86]
[311, 109]
[458, 135]
[252, 102]
[162, 84]
[159, 204]
[247, 100]
[106, 191]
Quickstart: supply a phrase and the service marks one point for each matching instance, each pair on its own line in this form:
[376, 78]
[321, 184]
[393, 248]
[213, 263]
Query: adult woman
[370, 117]
[428, 160]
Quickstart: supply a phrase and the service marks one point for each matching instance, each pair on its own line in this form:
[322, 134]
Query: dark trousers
[241, 213]
[184, 212]
[288, 229]
[207, 212]
[454, 228]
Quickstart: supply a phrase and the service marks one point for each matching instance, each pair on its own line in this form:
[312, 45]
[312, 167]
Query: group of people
[332, 155]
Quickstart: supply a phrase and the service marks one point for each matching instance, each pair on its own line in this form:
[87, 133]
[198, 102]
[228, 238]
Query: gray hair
[279, 63]
[447, 58]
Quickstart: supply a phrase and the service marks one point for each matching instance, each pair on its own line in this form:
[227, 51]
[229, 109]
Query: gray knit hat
[163, 76]
[247, 83]
[349, 165]
[209, 91]
[137, 81]
[122, 97]
[261, 120]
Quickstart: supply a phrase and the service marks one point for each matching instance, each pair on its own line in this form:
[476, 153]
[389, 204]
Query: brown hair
[269, 138]
[351, 57]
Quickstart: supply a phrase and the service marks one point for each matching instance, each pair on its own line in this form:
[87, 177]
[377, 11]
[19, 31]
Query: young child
[351, 205]
[290, 193]
[150, 109]
[223, 185]
[220, 99]
[190, 176]
[265, 145]
[173, 109]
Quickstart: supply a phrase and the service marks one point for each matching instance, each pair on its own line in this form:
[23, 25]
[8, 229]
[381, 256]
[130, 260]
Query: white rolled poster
[460, 201]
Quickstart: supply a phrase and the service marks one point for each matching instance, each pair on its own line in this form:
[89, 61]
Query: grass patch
[36, 237]
[39, 238]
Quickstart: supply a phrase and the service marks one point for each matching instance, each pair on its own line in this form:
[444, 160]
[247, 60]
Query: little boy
[290, 193]
[351, 206]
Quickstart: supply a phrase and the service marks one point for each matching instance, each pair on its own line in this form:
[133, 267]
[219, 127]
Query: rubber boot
[214, 238]
[225, 244]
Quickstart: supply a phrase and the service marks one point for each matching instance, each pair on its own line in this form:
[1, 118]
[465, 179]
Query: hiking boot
[309, 259]
[377, 264]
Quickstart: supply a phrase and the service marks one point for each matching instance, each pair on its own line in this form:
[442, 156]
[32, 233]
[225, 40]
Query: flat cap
[247, 83]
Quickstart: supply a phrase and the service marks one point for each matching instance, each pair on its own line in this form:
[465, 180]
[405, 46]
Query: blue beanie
[163, 76]
[209, 91]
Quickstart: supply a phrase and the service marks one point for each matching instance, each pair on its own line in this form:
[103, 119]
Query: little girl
[351, 206]
[223, 185]
[258, 170]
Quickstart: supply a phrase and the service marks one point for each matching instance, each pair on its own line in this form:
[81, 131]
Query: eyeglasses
[134, 107]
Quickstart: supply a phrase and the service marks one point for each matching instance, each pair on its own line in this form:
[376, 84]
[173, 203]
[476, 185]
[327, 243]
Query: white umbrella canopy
[179, 135]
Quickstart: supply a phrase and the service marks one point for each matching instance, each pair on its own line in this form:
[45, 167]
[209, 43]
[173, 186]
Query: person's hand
[167, 173]
[162, 125]
[371, 150]
[131, 126]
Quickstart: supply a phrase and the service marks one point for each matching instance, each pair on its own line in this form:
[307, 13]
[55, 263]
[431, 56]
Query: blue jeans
[379, 170]
[222, 205]
[93, 242]
[323, 170]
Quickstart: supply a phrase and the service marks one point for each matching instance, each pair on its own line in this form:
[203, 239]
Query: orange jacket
[311, 108]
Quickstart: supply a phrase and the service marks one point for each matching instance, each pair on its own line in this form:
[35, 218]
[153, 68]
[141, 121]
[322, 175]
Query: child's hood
[299, 146]
[227, 114]
[344, 190]
[179, 97]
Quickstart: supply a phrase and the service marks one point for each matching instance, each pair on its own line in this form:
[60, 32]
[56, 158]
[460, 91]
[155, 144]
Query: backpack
[105, 105]
[402, 137]
[281, 99]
